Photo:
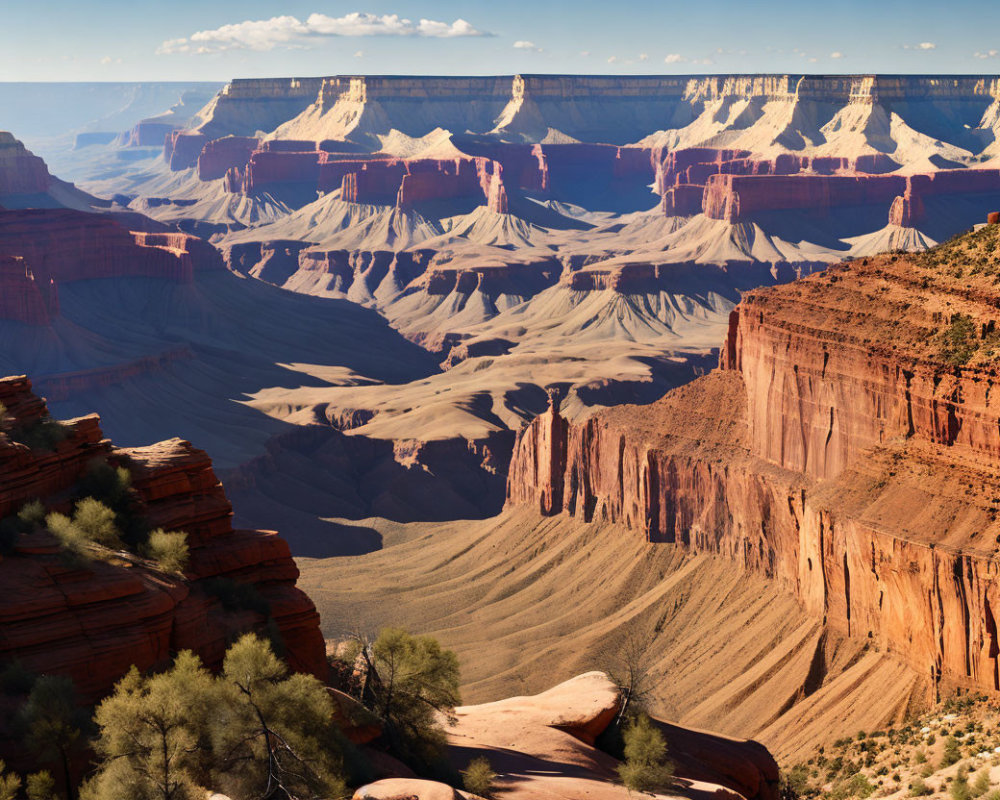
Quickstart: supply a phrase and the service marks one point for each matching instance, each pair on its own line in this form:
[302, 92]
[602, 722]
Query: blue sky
[65, 40]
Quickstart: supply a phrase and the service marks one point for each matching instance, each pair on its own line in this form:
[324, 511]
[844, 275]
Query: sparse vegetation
[43, 435]
[959, 789]
[40, 786]
[10, 783]
[951, 754]
[255, 731]
[407, 681]
[479, 777]
[169, 549]
[646, 767]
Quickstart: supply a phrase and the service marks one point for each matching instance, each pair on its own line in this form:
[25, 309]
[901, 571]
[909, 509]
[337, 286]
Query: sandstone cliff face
[22, 298]
[64, 245]
[836, 451]
[93, 620]
[181, 149]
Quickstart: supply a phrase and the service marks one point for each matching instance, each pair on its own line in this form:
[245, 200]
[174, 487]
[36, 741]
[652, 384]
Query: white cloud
[359, 53]
[107, 60]
[613, 60]
[987, 54]
[585, 53]
[813, 60]
[288, 31]
[644, 56]
[674, 58]
[920, 46]
[836, 54]
[524, 44]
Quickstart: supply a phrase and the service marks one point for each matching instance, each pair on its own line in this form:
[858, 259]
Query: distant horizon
[302, 76]
[64, 41]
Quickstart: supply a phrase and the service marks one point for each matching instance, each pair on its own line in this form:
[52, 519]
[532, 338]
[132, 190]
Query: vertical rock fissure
[847, 592]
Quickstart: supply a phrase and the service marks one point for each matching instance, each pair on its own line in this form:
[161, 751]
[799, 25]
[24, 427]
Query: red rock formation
[908, 209]
[736, 197]
[65, 245]
[181, 149]
[93, 620]
[993, 218]
[684, 179]
[21, 172]
[837, 452]
[266, 168]
[682, 200]
[22, 298]
[220, 155]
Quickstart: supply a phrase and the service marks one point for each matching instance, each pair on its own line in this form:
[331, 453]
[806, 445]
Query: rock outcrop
[65, 245]
[22, 298]
[181, 149]
[92, 620]
[21, 172]
[847, 448]
[544, 744]
[147, 133]
[218, 156]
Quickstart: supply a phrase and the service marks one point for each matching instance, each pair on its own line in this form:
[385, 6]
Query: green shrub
[646, 767]
[981, 784]
[32, 514]
[959, 788]
[44, 435]
[10, 783]
[951, 754]
[40, 786]
[920, 789]
[169, 549]
[111, 485]
[92, 523]
[479, 777]
[919, 757]
[71, 538]
[97, 522]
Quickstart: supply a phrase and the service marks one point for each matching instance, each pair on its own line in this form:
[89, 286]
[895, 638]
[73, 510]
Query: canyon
[551, 361]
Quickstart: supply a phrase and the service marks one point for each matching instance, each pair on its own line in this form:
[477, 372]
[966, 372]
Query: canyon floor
[525, 601]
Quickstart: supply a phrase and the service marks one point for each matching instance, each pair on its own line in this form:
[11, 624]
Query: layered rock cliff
[22, 297]
[91, 620]
[847, 447]
[65, 245]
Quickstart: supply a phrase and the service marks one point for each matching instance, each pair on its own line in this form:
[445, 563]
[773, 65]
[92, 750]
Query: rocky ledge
[93, 619]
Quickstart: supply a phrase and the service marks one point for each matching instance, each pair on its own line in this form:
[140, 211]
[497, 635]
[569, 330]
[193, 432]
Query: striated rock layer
[847, 447]
[93, 620]
[64, 245]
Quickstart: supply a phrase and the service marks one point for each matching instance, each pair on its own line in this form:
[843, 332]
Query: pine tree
[54, 725]
[150, 731]
[273, 734]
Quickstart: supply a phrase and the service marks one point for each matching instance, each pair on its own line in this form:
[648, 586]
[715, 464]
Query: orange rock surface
[93, 620]
[848, 447]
